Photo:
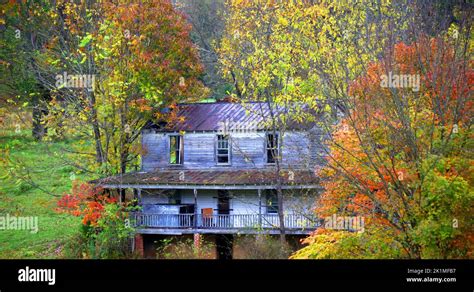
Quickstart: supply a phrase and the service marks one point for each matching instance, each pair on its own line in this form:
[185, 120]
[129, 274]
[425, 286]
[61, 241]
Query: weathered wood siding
[155, 148]
[298, 150]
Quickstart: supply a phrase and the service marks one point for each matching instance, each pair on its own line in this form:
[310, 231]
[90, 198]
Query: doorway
[223, 202]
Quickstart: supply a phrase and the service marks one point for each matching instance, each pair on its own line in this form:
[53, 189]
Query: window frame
[275, 149]
[179, 150]
[217, 148]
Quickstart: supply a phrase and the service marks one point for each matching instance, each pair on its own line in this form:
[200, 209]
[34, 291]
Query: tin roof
[227, 115]
[182, 177]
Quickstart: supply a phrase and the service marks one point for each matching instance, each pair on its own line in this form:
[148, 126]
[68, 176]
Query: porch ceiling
[200, 179]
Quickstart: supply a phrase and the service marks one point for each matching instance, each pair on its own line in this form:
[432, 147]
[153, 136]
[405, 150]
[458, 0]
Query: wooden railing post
[195, 208]
[259, 208]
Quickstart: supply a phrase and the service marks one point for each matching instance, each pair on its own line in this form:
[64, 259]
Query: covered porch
[217, 202]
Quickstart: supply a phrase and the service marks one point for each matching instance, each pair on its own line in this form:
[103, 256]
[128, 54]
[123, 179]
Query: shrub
[262, 246]
[106, 231]
[171, 248]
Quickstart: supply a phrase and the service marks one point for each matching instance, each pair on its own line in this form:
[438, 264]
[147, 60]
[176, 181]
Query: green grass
[51, 178]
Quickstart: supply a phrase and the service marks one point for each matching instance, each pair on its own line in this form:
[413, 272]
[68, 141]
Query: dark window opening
[176, 150]
[272, 148]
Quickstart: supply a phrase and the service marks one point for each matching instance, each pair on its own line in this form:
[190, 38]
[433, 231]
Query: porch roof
[210, 179]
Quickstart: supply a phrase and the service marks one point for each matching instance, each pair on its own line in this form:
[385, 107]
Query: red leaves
[87, 201]
[92, 213]
[68, 202]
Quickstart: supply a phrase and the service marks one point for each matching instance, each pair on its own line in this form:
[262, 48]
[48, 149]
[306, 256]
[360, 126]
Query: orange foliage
[436, 65]
[85, 200]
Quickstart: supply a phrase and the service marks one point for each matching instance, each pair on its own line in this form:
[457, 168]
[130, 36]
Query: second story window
[176, 149]
[272, 148]
[222, 149]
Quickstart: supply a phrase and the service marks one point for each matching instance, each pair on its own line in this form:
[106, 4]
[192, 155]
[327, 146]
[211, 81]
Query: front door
[223, 202]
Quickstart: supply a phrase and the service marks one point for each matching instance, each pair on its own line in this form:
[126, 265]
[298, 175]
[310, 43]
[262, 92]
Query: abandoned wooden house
[213, 172]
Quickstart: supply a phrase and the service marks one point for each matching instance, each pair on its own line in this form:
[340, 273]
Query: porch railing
[238, 221]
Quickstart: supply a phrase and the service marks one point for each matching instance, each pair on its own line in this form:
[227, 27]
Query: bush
[373, 243]
[184, 249]
[106, 231]
[262, 246]
[110, 238]
[77, 246]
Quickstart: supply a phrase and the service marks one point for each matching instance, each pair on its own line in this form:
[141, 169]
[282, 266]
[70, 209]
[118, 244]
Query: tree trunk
[39, 111]
[236, 85]
[276, 154]
[279, 183]
[281, 215]
[99, 152]
[124, 138]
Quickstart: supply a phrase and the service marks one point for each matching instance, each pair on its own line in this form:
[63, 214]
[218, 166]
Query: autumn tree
[398, 158]
[24, 34]
[305, 52]
[266, 52]
[142, 60]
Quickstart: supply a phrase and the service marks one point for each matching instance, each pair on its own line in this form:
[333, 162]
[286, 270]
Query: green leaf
[85, 41]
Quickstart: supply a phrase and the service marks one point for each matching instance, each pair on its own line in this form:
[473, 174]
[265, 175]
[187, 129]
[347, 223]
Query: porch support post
[134, 217]
[197, 237]
[195, 208]
[197, 242]
[139, 196]
[259, 208]
[139, 246]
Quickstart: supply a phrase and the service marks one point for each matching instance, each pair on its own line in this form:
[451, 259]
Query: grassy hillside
[40, 177]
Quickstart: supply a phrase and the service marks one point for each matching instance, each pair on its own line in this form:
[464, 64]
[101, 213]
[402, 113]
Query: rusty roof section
[211, 177]
[227, 116]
